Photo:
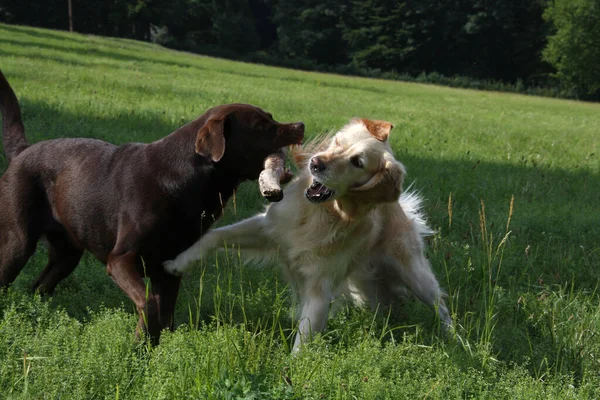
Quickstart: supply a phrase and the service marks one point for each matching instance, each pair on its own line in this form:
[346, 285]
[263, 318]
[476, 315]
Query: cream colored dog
[343, 227]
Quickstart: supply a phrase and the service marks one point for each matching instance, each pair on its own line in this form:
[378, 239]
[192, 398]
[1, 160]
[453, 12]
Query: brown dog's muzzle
[290, 134]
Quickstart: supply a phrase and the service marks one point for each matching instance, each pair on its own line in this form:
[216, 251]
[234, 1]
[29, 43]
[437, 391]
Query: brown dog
[132, 206]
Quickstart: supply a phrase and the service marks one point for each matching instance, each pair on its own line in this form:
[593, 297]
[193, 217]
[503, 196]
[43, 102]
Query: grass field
[522, 279]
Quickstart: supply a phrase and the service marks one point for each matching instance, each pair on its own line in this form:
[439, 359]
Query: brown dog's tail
[13, 131]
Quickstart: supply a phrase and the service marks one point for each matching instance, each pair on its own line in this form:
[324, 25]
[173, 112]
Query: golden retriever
[343, 227]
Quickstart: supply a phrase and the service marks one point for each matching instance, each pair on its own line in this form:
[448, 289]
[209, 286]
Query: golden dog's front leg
[247, 234]
[315, 299]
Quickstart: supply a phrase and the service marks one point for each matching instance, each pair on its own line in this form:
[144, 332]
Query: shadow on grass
[67, 37]
[87, 49]
[46, 34]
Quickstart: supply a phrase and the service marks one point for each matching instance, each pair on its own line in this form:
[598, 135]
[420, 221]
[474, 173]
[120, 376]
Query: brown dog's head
[240, 136]
[358, 164]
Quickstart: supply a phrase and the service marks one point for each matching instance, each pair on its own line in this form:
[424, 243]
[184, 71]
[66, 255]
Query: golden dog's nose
[316, 165]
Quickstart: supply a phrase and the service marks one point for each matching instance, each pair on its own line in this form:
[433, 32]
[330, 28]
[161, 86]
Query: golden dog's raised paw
[172, 267]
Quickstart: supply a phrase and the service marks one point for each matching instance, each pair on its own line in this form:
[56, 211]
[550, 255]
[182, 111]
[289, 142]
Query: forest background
[541, 47]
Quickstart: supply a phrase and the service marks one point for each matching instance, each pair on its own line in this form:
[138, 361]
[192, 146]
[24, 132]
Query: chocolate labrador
[132, 206]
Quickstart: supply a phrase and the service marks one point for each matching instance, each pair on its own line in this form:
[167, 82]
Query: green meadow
[512, 188]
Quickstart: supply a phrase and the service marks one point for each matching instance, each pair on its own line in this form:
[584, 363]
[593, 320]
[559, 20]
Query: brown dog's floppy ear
[386, 185]
[380, 130]
[210, 141]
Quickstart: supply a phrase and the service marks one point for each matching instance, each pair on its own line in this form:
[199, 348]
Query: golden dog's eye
[356, 161]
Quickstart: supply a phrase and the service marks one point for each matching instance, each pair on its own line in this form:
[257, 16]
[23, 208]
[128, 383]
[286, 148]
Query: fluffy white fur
[365, 240]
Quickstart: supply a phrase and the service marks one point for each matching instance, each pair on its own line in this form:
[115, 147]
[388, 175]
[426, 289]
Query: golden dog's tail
[412, 205]
[13, 131]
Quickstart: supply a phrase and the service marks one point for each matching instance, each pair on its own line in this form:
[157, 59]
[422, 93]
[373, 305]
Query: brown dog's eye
[261, 124]
[356, 161]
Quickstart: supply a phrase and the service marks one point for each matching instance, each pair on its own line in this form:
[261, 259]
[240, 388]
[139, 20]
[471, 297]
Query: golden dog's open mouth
[318, 193]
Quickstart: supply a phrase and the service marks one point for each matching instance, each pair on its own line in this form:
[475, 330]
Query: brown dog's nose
[299, 126]
[316, 165]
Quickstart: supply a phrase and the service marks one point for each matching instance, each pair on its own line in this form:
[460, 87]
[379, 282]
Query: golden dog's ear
[210, 141]
[386, 185]
[380, 130]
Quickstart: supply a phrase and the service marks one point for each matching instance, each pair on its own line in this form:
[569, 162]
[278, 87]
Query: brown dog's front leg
[122, 269]
[166, 287]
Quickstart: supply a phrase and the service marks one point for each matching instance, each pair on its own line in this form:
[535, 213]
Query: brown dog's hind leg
[122, 268]
[63, 258]
[14, 253]
[17, 243]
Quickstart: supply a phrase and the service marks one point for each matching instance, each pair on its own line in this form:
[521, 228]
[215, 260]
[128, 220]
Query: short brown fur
[132, 206]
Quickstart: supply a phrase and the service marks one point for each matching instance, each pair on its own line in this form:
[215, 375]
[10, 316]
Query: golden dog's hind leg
[416, 275]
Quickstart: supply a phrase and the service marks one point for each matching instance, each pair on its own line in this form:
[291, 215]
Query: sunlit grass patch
[511, 186]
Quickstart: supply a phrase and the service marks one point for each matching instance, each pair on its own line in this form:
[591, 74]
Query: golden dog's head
[358, 164]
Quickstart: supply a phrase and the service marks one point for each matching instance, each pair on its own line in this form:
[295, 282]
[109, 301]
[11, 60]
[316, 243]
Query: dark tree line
[511, 41]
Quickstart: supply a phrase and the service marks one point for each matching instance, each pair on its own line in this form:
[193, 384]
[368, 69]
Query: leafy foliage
[495, 41]
[574, 49]
[310, 30]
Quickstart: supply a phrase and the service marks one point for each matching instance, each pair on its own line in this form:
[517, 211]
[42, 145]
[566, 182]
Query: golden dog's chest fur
[316, 233]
